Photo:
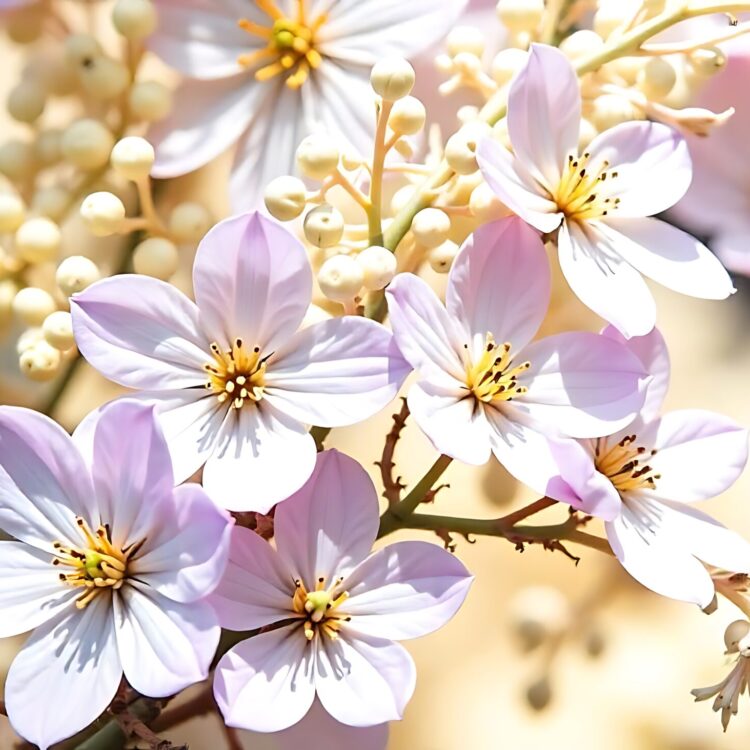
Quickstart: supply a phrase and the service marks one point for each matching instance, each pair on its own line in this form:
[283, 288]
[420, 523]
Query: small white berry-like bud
[103, 213]
[465, 39]
[441, 257]
[324, 226]
[150, 100]
[430, 227]
[407, 116]
[317, 156]
[707, 61]
[52, 202]
[134, 19]
[157, 257]
[40, 362]
[47, 147]
[609, 110]
[581, 43]
[520, 15]
[82, 49]
[461, 148]
[285, 197]
[539, 694]
[379, 266]
[392, 78]
[341, 278]
[12, 212]
[24, 26]
[132, 158]
[735, 632]
[485, 205]
[104, 78]
[656, 78]
[507, 63]
[189, 222]
[76, 273]
[58, 330]
[32, 305]
[16, 159]
[87, 144]
[611, 14]
[30, 337]
[26, 101]
[38, 240]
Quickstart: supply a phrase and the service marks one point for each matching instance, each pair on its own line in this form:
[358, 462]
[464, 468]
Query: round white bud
[58, 330]
[52, 202]
[485, 205]
[87, 144]
[103, 213]
[581, 43]
[157, 257]
[32, 305]
[507, 63]
[407, 116]
[38, 240]
[324, 226]
[461, 148]
[611, 14]
[441, 257]
[626, 68]
[317, 156]
[465, 39]
[285, 197]
[104, 78]
[24, 26]
[734, 633]
[150, 100]
[40, 362]
[656, 78]
[431, 227]
[189, 222]
[520, 15]
[707, 61]
[609, 110]
[60, 77]
[47, 147]
[16, 159]
[30, 337]
[379, 266]
[81, 49]
[134, 19]
[12, 212]
[76, 273]
[392, 78]
[132, 158]
[26, 101]
[341, 278]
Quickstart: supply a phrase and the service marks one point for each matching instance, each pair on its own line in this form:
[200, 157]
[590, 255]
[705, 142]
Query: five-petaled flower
[333, 610]
[110, 568]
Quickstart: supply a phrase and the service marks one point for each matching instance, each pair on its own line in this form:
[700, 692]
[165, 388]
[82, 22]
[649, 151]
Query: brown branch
[519, 515]
[232, 738]
[200, 705]
[393, 487]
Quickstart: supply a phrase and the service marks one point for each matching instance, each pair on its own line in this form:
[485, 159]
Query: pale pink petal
[336, 372]
[71, 661]
[141, 333]
[362, 680]
[266, 683]
[330, 524]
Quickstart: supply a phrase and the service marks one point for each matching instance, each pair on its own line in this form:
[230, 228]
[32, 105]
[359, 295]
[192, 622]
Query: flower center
[290, 44]
[96, 565]
[623, 464]
[580, 194]
[237, 375]
[319, 607]
[494, 377]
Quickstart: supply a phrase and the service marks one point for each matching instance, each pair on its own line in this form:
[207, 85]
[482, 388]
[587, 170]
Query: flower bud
[609, 110]
[430, 227]
[407, 116]
[58, 330]
[189, 222]
[378, 266]
[30, 337]
[76, 273]
[539, 694]
[26, 101]
[506, 64]
[32, 305]
[285, 197]
[134, 19]
[47, 147]
[460, 150]
[465, 39]
[341, 278]
[610, 15]
[485, 205]
[87, 144]
[656, 78]
[317, 156]
[16, 159]
[581, 44]
[104, 78]
[40, 362]
[324, 226]
[53, 202]
[520, 15]
[392, 78]
[132, 158]
[38, 240]
[157, 257]
[81, 49]
[150, 100]
[12, 212]
[103, 213]
[735, 632]
[707, 61]
[441, 257]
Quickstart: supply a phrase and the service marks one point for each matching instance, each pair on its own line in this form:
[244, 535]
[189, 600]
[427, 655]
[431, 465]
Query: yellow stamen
[580, 194]
[319, 608]
[494, 377]
[237, 374]
[624, 464]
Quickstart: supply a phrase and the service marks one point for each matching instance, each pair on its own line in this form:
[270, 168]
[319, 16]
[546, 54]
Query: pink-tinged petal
[544, 113]
[406, 590]
[141, 333]
[330, 524]
[731, 248]
[651, 350]
[30, 589]
[652, 165]
[516, 188]
[266, 683]
[362, 680]
[603, 281]
[164, 645]
[653, 559]
[428, 338]
[262, 457]
[670, 256]
[256, 589]
[451, 420]
[72, 662]
[44, 482]
[336, 372]
[252, 281]
[185, 559]
[500, 284]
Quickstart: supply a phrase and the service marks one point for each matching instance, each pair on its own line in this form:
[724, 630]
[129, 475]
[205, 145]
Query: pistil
[319, 607]
[236, 375]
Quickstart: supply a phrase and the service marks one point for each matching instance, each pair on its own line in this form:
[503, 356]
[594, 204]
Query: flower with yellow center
[320, 607]
[625, 464]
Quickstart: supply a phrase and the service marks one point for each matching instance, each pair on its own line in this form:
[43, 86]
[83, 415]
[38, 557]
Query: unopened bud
[189, 222]
[735, 632]
[441, 257]
[134, 19]
[58, 330]
[103, 213]
[507, 63]
[656, 78]
[150, 100]
[341, 278]
[26, 101]
[581, 44]
[707, 61]
[285, 197]
[324, 226]
[38, 240]
[76, 273]
[40, 362]
[32, 305]
[12, 212]
[392, 78]
[378, 266]
[485, 205]
[104, 78]
[318, 156]
[53, 202]
[157, 257]
[87, 144]
[132, 158]
[431, 227]
[461, 148]
[408, 116]
[465, 39]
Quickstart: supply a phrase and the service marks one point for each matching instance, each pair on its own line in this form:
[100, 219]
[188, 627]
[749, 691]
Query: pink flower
[643, 481]
[108, 569]
[601, 199]
[335, 610]
[483, 386]
[234, 381]
[265, 74]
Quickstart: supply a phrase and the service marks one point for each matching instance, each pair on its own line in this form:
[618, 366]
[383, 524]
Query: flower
[483, 386]
[266, 74]
[729, 690]
[234, 384]
[601, 200]
[644, 479]
[109, 567]
[334, 609]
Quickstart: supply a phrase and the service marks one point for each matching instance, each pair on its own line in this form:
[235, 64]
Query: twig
[200, 705]
[393, 487]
